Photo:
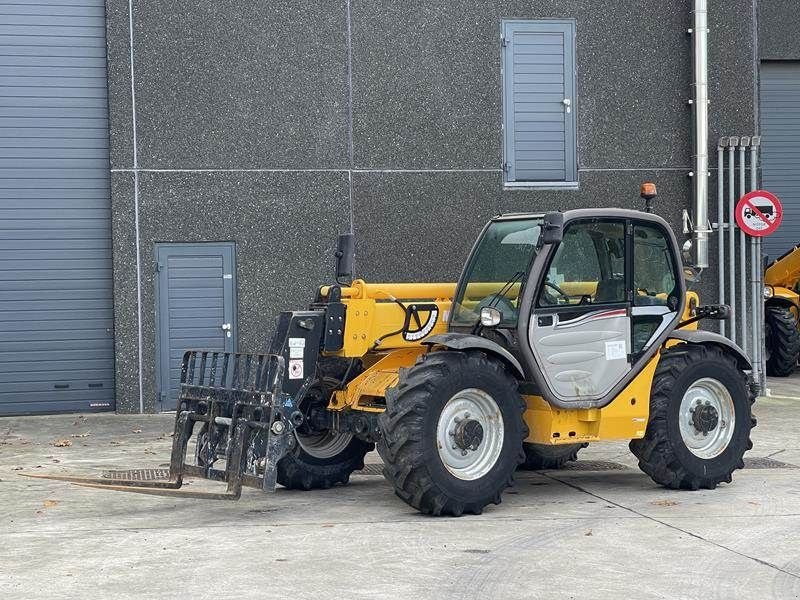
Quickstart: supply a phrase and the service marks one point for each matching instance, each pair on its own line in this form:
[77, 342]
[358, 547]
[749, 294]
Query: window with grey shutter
[540, 144]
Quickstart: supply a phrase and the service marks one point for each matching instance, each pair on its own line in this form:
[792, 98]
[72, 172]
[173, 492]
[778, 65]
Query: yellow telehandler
[782, 313]
[564, 329]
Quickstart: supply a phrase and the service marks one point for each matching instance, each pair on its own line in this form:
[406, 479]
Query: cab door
[580, 327]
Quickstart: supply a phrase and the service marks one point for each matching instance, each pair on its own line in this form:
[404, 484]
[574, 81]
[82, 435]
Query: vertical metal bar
[190, 371]
[759, 283]
[213, 374]
[762, 361]
[743, 251]
[235, 378]
[732, 232]
[203, 359]
[721, 224]
[223, 381]
[248, 362]
[755, 296]
[701, 229]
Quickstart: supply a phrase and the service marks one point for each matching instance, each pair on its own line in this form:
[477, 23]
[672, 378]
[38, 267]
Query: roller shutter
[56, 340]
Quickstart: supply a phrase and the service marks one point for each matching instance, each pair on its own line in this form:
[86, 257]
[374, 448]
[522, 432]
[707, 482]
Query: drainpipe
[700, 101]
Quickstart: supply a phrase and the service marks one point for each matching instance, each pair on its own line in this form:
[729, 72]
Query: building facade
[201, 157]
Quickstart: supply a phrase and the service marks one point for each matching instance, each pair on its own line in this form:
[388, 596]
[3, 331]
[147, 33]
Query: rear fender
[709, 337]
[464, 341]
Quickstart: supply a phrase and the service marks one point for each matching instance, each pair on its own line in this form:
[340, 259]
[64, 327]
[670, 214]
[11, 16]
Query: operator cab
[582, 297]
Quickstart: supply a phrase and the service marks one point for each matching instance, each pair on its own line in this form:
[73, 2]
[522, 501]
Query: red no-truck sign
[759, 213]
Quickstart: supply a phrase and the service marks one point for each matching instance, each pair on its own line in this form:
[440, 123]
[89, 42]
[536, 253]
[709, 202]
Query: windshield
[496, 271]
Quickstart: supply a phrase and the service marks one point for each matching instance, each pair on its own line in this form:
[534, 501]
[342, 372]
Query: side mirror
[345, 257]
[490, 316]
[552, 229]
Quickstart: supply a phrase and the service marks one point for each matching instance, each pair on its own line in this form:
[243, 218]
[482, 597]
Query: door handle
[567, 102]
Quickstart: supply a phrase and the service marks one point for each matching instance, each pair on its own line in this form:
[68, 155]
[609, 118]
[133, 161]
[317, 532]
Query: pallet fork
[237, 399]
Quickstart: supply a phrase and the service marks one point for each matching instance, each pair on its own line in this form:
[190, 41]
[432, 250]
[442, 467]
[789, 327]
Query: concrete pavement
[600, 529]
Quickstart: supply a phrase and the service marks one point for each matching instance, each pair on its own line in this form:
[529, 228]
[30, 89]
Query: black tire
[782, 341]
[662, 453]
[302, 470]
[541, 457]
[408, 443]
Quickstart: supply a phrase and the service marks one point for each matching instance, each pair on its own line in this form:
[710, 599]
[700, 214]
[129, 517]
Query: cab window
[654, 281]
[588, 267]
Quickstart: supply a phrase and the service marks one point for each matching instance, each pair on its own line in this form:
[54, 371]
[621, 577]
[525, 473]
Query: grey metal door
[196, 307]
[56, 328]
[780, 127]
[539, 101]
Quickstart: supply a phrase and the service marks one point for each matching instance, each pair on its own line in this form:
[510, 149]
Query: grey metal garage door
[56, 342]
[780, 127]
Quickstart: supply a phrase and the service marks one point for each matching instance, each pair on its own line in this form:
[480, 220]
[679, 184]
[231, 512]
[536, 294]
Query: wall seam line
[136, 171]
[350, 144]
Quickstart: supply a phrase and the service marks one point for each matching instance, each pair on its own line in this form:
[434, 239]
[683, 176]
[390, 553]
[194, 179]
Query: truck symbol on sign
[765, 209]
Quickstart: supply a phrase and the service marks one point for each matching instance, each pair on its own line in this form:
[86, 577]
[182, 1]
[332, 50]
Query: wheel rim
[707, 418]
[325, 444]
[470, 434]
[321, 444]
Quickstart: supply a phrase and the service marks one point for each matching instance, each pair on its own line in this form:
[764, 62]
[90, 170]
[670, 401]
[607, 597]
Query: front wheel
[452, 433]
[700, 419]
[320, 459]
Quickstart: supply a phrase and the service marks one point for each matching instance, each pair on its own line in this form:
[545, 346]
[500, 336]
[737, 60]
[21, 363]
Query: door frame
[535, 279]
[160, 269]
[576, 312]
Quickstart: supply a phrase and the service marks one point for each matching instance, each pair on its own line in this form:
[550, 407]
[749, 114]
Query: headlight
[768, 291]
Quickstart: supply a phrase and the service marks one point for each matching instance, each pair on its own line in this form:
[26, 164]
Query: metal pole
[745, 141]
[759, 279]
[732, 233]
[723, 142]
[701, 228]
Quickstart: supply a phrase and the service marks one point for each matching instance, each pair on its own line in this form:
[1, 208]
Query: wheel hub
[468, 434]
[705, 418]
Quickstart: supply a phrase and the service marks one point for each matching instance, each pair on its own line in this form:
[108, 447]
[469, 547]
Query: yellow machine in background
[782, 313]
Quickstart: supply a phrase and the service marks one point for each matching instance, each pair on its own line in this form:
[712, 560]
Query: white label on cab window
[616, 351]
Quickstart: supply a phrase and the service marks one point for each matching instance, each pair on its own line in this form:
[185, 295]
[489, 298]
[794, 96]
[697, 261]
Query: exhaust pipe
[700, 101]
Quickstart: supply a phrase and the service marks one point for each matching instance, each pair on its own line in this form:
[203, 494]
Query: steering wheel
[558, 290]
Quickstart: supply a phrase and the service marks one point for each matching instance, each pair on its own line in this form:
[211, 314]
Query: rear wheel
[539, 457]
[452, 433]
[321, 458]
[700, 419]
[782, 341]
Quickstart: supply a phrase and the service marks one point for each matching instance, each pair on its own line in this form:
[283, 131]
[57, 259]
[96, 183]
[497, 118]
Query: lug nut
[278, 427]
[463, 453]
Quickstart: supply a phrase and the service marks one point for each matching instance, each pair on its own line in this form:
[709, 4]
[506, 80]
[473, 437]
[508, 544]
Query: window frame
[572, 174]
[627, 274]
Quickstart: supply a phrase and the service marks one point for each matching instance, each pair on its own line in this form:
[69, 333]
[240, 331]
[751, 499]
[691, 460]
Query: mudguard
[696, 336]
[465, 341]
